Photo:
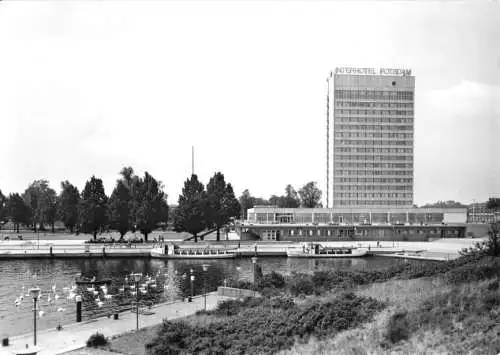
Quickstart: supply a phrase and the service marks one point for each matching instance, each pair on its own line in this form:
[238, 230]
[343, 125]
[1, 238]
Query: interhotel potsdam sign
[373, 71]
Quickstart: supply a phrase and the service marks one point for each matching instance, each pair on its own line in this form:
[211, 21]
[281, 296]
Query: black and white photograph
[249, 177]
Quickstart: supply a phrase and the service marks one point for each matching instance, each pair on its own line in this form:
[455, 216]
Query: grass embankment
[449, 307]
[457, 312]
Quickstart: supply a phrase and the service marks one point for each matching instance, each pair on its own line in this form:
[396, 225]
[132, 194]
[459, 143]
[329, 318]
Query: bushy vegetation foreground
[426, 308]
[470, 267]
[423, 316]
[263, 325]
[278, 321]
[455, 310]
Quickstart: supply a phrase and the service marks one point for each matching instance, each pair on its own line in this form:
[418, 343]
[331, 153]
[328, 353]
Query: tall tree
[93, 206]
[129, 178]
[68, 203]
[493, 242]
[310, 195]
[3, 208]
[51, 213]
[165, 212]
[191, 213]
[18, 210]
[246, 202]
[41, 199]
[276, 200]
[493, 203]
[120, 204]
[222, 204]
[148, 204]
[291, 198]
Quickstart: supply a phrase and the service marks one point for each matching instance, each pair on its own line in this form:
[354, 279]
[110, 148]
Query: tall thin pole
[205, 290]
[328, 144]
[191, 279]
[34, 320]
[137, 304]
[254, 279]
[192, 160]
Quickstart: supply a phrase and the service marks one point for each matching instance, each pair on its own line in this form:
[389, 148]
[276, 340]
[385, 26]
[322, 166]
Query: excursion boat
[175, 252]
[92, 281]
[318, 251]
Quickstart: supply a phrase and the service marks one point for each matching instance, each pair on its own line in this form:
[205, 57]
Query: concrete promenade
[74, 336]
[441, 249]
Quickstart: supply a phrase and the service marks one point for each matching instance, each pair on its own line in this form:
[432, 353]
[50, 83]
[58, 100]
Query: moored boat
[193, 253]
[318, 251]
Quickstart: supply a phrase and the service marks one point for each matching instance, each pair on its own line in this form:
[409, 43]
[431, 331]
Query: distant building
[336, 224]
[373, 140]
[479, 213]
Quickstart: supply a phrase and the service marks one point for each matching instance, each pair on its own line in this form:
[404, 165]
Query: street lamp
[191, 271]
[137, 278]
[205, 269]
[254, 263]
[34, 292]
[183, 284]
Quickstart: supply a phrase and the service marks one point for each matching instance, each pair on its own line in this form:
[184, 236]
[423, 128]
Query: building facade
[341, 224]
[480, 213]
[373, 136]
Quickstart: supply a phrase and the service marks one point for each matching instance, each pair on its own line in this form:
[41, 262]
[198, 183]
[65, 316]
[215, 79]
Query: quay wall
[79, 249]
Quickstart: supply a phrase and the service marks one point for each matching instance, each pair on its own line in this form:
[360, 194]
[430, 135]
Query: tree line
[135, 204]
[201, 209]
[308, 196]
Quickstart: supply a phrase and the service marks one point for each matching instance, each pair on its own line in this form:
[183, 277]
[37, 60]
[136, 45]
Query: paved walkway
[74, 336]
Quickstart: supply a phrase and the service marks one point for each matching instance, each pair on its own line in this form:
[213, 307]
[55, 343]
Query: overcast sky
[89, 87]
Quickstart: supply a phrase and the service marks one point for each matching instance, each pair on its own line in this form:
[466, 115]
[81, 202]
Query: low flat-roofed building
[273, 223]
[359, 215]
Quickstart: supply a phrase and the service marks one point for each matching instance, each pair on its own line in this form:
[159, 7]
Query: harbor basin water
[168, 280]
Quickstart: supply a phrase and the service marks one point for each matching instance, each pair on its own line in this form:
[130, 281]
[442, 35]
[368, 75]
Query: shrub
[171, 338]
[97, 339]
[489, 247]
[263, 326]
[233, 307]
[271, 292]
[483, 269]
[300, 284]
[493, 285]
[272, 280]
[398, 328]
[491, 300]
[244, 284]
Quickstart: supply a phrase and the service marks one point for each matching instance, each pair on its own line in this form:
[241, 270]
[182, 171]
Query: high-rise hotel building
[373, 126]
